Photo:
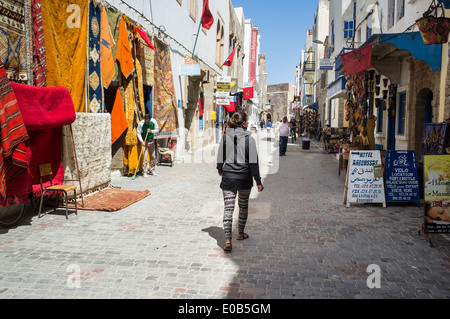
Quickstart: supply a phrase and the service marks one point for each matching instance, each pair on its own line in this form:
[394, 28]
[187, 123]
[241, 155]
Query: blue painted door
[391, 134]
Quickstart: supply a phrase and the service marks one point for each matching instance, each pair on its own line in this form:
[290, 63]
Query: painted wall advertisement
[402, 181]
[437, 193]
[364, 178]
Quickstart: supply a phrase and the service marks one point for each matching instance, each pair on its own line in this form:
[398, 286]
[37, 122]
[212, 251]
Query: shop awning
[403, 44]
[337, 87]
[313, 106]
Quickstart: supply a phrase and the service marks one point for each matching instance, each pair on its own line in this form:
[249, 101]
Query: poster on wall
[402, 180]
[364, 181]
[433, 139]
[437, 193]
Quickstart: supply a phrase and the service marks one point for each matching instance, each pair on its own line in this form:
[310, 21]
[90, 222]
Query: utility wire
[163, 32]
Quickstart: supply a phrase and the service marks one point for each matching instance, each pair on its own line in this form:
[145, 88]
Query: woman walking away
[237, 163]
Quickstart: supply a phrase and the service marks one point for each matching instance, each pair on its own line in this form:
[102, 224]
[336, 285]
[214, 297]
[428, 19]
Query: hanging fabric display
[165, 108]
[13, 157]
[134, 107]
[146, 56]
[106, 55]
[123, 54]
[356, 103]
[114, 18]
[95, 96]
[66, 46]
[39, 64]
[16, 40]
[119, 121]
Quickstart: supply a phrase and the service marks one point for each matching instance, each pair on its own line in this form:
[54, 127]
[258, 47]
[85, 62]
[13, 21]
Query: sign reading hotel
[364, 181]
[402, 181]
[437, 193]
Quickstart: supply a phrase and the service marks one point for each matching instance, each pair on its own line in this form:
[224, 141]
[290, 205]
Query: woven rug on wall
[111, 200]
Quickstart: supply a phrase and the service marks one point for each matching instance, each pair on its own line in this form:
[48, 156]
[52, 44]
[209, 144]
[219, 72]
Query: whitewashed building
[402, 65]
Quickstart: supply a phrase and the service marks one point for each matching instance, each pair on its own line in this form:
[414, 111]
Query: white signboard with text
[364, 178]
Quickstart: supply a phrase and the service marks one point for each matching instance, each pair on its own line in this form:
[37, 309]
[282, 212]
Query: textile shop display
[434, 139]
[124, 54]
[39, 60]
[95, 89]
[114, 18]
[119, 121]
[106, 54]
[16, 40]
[133, 94]
[66, 46]
[165, 108]
[13, 154]
[146, 56]
[44, 112]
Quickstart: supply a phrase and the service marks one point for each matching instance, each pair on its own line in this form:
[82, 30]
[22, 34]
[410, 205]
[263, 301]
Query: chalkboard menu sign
[364, 182]
[402, 181]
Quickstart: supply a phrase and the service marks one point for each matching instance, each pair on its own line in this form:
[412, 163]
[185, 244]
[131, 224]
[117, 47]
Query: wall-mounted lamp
[325, 44]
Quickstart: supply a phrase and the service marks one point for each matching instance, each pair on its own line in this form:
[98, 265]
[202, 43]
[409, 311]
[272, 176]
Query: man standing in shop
[146, 131]
[283, 130]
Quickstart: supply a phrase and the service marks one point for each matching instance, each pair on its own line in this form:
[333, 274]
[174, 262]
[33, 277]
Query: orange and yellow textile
[123, 54]
[65, 34]
[106, 55]
[119, 121]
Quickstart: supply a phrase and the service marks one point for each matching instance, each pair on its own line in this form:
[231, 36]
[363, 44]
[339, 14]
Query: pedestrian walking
[237, 163]
[283, 131]
[146, 130]
[293, 127]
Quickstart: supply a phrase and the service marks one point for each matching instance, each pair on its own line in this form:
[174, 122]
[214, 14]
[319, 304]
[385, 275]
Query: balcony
[309, 66]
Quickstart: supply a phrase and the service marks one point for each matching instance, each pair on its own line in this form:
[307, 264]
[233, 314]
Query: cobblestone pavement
[304, 243]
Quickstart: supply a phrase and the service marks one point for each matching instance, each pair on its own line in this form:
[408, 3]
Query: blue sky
[282, 25]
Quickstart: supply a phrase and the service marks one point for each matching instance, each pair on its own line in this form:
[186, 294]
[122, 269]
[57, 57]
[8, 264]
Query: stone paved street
[304, 243]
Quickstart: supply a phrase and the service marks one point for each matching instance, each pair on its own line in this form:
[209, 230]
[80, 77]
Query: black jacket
[237, 156]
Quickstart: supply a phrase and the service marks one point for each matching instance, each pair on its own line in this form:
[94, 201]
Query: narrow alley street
[304, 242]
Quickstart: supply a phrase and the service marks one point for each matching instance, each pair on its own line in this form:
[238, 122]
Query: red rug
[111, 200]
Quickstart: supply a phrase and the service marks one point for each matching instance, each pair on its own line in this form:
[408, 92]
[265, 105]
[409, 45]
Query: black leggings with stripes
[229, 198]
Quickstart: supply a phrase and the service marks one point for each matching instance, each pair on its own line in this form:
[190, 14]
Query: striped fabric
[13, 155]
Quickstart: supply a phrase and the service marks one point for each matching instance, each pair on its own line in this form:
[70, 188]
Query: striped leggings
[229, 198]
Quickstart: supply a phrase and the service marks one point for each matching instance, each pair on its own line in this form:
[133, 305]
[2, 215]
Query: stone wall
[92, 136]
[278, 97]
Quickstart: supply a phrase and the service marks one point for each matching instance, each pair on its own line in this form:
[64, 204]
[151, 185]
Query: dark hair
[147, 117]
[237, 119]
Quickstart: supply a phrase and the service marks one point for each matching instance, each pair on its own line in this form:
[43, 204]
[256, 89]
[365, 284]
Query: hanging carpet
[16, 40]
[66, 46]
[95, 96]
[165, 107]
[13, 151]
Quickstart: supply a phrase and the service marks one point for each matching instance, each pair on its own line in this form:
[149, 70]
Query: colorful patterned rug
[111, 200]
